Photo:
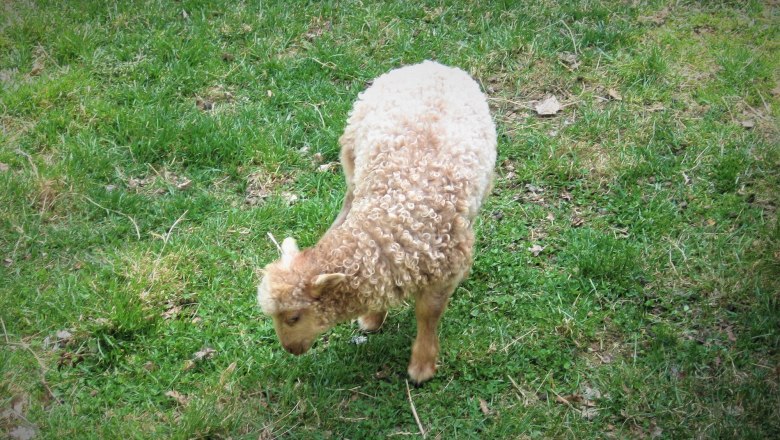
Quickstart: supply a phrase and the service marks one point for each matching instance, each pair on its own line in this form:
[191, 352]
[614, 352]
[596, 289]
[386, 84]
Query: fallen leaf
[536, 250]
[483, 406]
[206, 353]
[4, 167]
[178, 397]
[510, 175]
[550, 216]
[748, 123]
[327, 167]
[576, 222]
[63, 337]
[318, 157]
[225, 375]
[7, 262]
[289, 197]
[149, 366]
[548, 107]
[614, 94]
[569, 59]
[171, 312]
[189, 364]
[269, 93]
[185, 15]
[37, 67]
[184, 184]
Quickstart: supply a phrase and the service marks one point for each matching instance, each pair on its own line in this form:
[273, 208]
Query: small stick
[271, 236]
[5, 332]
[414, 411]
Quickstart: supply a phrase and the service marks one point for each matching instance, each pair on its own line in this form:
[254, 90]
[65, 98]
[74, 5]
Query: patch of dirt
[158, 183]
[214, 97]
[262, 184]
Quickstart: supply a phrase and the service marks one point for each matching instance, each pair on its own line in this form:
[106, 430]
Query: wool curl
[424, 148]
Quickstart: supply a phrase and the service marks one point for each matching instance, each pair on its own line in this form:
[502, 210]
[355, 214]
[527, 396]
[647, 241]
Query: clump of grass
[651, 309]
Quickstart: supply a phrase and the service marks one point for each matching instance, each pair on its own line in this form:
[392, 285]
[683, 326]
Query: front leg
[372, 321]
[428, 308]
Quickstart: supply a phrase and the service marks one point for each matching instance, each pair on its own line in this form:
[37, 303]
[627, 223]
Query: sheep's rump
[424, 147]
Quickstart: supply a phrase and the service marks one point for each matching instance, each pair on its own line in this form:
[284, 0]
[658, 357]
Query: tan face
[292, 301]
[297, 329]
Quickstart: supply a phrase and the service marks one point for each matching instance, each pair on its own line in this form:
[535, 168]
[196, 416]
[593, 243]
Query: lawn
[626, 282]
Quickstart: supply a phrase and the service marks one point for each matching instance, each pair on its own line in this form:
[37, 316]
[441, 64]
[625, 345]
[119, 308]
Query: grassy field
[627, 272]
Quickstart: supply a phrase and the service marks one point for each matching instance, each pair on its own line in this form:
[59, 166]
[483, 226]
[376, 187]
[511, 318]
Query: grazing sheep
[418, 153]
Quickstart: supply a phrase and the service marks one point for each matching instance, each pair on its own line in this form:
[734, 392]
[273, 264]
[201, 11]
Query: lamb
[418, 154]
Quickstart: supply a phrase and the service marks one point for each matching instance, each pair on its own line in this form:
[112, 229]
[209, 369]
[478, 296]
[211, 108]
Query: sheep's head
[291, 293]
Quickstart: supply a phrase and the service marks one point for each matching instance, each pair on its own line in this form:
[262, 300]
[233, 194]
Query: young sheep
[418, 153]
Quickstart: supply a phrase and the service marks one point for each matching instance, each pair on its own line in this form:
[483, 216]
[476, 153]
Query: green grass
[123, 220]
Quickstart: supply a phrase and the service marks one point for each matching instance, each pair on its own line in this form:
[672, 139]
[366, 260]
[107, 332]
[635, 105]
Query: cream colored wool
[424, 147]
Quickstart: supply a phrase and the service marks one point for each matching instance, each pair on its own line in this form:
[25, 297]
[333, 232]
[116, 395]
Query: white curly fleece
[424, 148]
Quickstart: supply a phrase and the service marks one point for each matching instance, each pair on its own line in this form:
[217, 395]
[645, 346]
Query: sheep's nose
[296, 349]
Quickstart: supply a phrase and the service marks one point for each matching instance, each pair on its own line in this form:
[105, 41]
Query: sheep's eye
[293, 319]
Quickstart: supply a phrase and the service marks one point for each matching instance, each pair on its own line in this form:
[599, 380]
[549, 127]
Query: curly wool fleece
[423, 146]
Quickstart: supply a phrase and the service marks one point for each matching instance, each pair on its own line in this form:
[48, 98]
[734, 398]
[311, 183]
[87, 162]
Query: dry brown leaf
[63, 337]
[171, 312]
[225, 375]
[189, 364]
[576, 222]
[206, 353]
[569, 59]
[548, 107]
[748, 123]
[614, 94]
[4, 167]
[536, 250]
[327, 167]
[178, 397]
[289, 197]
[483, 406]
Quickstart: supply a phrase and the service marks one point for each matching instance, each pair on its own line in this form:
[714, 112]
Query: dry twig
[414, 410]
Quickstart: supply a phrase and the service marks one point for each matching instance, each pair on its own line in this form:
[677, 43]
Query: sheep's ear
[289, 250]
[326, 281]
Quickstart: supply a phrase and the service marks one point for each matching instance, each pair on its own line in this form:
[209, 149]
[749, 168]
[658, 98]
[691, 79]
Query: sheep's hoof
[371, 322]
[420, 372]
